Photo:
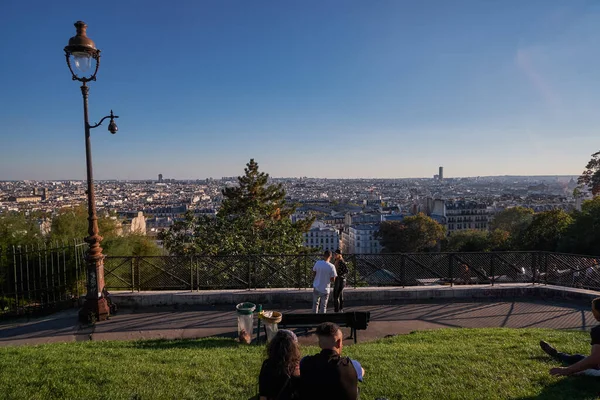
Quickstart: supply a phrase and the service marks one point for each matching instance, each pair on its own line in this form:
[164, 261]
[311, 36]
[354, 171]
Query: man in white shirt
[324, 275]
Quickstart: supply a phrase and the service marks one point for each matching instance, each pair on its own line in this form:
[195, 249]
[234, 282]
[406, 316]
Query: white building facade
[467, 215]
[322, 236]
[361, 239]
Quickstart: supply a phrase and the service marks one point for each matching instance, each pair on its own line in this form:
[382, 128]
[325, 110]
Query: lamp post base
[94, 310]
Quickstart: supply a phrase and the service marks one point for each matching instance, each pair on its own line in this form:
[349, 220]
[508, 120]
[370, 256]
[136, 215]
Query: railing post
[305, 272]
[403, 269]
[136, 266]
[191, 273]
[546, 269]
[132, 275]
[16, 284]
[492, 269]
[355, 271]
[451, 268]
[197, 266]
[533, 268]
[249, 271]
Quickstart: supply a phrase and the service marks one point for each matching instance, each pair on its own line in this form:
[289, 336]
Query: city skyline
[170, 179]
[378, 90]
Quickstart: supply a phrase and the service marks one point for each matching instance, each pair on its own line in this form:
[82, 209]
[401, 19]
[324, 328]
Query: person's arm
[333, 273]
[591, 361]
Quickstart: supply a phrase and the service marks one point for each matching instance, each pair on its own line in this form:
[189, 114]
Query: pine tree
[254, 218]
[255, 195]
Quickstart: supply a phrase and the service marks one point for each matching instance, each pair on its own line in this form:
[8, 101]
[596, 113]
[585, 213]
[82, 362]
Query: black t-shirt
[273, 383]
[327, 376]
[595, 335]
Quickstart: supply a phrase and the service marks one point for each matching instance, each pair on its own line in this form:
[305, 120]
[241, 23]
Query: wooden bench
[355, 320]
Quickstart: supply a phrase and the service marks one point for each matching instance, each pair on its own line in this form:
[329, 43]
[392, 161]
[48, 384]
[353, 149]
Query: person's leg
[568, 359]
[341, 294]
[323, 305]
[315, 301]
[336, 294]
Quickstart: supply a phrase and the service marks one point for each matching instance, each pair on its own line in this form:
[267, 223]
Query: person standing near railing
[340, 282]
[324, 275]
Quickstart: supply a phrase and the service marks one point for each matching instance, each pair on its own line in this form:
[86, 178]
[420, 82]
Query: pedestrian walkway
[391, 319]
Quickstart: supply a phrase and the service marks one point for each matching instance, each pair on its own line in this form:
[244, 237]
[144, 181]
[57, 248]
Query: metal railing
[42, 277]
[49, 277]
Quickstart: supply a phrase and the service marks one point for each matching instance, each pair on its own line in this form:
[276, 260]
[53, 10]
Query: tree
[413, 234]
[512, 220]
[131, 245]
[499, 240]
[583, 235]
[16, 229]
[591, 175]
[254, 195]
[72, 223]
[253, 219]
[478, 241]
[545, 231]
[468, 240]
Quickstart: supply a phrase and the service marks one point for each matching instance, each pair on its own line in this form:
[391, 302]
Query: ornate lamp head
[81, 52]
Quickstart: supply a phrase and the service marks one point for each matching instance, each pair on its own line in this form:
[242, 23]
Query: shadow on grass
[167, 344]
[572, 388]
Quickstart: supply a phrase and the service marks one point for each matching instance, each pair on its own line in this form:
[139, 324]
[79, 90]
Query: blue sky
[321, 88]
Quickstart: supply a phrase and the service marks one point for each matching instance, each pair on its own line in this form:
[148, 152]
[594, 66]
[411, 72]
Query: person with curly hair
[280, 372]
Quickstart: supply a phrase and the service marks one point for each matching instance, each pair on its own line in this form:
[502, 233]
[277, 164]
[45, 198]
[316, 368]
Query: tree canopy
[411, 235]
[512, 220]
[545, 231]
[582, 236]
[17, 229]
[253, 219]
[591, 176]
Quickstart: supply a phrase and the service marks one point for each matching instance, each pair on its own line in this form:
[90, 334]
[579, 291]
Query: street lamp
[82, 53]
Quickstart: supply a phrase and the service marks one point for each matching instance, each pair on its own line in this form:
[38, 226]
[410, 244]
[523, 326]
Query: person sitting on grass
[280, 372]
[577, 363]
[327, 375]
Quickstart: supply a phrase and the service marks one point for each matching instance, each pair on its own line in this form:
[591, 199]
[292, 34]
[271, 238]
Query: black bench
[354, 320]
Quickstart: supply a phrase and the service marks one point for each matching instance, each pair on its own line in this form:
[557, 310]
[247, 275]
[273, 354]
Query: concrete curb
[367, 295]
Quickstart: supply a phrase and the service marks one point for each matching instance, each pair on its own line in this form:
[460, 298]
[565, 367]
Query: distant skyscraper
[441, 174]
[160, 178]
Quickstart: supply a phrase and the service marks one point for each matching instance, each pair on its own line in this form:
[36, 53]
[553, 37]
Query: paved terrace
[186, 321]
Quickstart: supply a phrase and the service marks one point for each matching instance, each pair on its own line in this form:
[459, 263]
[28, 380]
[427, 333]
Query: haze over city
[326, 89]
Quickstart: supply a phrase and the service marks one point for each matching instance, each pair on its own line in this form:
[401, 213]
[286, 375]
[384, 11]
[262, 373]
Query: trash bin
[271, 319]
[245, 321]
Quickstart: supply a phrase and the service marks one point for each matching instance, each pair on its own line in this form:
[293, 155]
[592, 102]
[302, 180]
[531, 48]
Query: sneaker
[548, 349]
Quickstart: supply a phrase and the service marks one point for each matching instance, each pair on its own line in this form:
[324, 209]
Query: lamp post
[82, 53]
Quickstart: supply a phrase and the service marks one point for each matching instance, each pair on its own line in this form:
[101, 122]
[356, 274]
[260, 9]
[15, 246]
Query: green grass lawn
[443, 364]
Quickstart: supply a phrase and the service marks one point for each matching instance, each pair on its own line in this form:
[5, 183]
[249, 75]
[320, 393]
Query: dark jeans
[338, 294]
[569, 359]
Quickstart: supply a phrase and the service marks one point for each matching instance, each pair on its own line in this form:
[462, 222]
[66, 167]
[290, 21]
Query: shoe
[548, 349]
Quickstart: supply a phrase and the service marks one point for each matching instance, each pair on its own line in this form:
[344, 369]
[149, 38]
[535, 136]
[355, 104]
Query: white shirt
[325, 271]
